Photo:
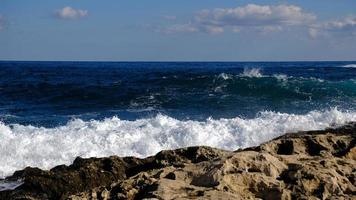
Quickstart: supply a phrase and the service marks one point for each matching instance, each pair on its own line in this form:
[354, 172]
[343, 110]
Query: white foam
[225, 76]
[281, 77]
[252, 72]
[23, 146]
[350, 66]
[256, 73]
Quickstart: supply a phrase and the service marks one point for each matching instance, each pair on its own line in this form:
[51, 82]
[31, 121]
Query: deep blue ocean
[51, 112]
[51, 93]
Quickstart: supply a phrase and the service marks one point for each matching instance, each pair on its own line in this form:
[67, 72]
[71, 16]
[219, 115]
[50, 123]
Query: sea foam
[252, 72]
[350, 66]
[23, 146]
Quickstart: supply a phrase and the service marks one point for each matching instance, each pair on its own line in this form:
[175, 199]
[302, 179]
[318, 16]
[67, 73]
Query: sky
[184, 30]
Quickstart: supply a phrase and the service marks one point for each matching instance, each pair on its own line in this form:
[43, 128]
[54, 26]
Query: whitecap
[350, 66]
[251, 72]
[42, 147]
[281, 77]
[225, 76]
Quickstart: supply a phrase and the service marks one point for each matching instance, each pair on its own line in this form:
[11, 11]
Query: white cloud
[71, 13]
[258, 17]
[346, 26]
[255, 15]
[313, 32]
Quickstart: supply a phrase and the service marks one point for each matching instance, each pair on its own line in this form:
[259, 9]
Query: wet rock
[61, 181]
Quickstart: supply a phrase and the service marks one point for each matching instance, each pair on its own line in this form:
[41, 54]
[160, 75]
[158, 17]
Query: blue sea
[52, 112]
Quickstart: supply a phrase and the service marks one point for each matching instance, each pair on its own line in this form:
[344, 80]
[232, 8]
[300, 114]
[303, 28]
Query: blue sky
[184, 30]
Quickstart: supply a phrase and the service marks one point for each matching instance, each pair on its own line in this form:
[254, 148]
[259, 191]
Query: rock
[59, 182]
[304, 165]
[351, 154]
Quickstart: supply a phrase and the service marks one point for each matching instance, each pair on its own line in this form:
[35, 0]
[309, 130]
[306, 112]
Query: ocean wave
[350, 66]
[281, 86]
[281, 77]
[251, 72]
[225, 76]
[23, 146]
[257, 73]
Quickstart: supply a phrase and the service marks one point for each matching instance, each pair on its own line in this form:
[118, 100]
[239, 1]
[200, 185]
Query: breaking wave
[23, 146]
[350, 66]
[252, 72]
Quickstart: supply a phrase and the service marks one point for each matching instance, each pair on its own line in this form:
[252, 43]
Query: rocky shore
[304, 165]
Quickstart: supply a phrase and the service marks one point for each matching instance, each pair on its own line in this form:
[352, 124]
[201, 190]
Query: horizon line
[175, 61]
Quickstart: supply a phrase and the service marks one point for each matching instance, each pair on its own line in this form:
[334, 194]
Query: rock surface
[304, 165]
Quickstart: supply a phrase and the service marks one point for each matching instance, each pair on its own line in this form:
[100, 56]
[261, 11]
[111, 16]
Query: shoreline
[295, 165]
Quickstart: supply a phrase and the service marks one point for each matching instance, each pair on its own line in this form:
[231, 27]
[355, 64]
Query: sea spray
[252, 72]
[23, 146]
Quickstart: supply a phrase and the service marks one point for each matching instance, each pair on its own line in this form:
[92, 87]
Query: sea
[52, 112]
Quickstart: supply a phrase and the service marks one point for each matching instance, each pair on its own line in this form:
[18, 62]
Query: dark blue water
[51, 93]
[52, 112]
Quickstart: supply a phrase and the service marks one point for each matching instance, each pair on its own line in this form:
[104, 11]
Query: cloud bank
[261, 17]
[70, 13]
[345, 27]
